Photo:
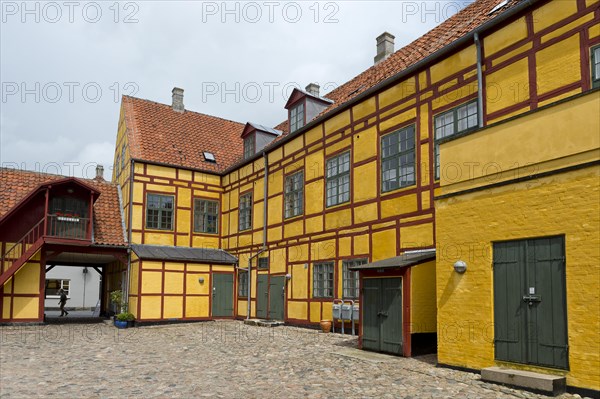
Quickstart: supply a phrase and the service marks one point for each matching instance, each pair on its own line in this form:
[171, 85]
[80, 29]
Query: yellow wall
[566, 203]
[172, 290]
[423, 312]
[524, 146]
[26, 285]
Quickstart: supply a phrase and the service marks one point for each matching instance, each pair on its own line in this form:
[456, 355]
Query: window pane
[294, 194]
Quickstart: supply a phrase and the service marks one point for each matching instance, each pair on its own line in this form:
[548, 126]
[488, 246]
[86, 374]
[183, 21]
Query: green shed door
[382, 316]
[371, 336]
[391, 315]
[530, 314]
[276, 297]
[262, 295]
[222, 295]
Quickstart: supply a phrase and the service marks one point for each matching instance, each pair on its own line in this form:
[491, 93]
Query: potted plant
[121, 320]
[116, 298]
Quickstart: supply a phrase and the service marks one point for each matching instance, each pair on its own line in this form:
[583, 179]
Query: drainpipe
[479, 79]
[264, 246]
[265, 194]
[126, 285]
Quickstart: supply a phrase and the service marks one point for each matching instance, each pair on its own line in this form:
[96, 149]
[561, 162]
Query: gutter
[464, 40]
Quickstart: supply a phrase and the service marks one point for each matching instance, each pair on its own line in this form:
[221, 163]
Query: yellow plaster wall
[566, 203]
[423, 307]
[524, 146]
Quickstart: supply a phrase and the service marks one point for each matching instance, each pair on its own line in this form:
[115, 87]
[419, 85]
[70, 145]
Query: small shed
[397, 302]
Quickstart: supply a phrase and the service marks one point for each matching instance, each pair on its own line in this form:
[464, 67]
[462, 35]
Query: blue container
[120, 324]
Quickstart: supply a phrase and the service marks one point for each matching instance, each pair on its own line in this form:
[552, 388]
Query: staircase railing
[22, 246]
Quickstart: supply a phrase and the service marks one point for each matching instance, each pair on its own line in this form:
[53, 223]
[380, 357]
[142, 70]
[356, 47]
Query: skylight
[498, 6]
[209, 156]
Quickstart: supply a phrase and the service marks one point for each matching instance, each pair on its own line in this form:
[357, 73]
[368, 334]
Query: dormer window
[304, 106]
[256, 137]
[249, 146]
[297, 117]
[209, 157]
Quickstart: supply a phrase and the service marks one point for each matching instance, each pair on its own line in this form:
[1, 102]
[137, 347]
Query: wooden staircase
[21, 252]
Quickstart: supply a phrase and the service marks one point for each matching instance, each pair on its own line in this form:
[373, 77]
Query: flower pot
[130, 323]
[325, 326]
[120, 324]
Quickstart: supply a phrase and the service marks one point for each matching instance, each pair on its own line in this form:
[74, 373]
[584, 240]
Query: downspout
[264, 246]
[126, 285]
[479, 79]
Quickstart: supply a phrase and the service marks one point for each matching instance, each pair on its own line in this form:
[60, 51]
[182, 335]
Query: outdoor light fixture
[460, 266]
[85, 270]
[288, 276]
[201, 280]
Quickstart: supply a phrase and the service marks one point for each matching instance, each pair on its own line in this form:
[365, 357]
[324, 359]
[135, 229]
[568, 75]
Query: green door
[276, 297]
[382, 316]
[222, 295]
[262, 292]
[530, 313]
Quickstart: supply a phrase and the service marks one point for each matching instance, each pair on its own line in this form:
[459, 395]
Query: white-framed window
[350, 285]
[338, 179]
[206, 216]
[54, 285]
[457, 120]
[159, 212]
[323, 280]
[398, 159]
[249, 146]
[297, 117]
[245, 211]
[294, 194]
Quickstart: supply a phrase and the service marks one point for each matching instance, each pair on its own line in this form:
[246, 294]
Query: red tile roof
[16, 184]
[159, 134]
[455, 27]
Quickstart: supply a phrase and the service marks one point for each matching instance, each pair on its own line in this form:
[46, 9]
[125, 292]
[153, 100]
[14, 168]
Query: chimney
[177, 100]
[313, 89]
[385, 46]
[99, 172]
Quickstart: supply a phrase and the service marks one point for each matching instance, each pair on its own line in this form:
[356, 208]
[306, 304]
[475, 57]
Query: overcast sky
[64, 65]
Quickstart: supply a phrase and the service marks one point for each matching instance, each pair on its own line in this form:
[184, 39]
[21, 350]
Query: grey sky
[236, 60]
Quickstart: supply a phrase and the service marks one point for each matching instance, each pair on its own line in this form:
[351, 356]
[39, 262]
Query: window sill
[398, 190]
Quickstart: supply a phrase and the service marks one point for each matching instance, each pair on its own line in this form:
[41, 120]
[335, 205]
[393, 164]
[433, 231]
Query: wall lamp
[460, 266]
[201, 280]
[288, 276]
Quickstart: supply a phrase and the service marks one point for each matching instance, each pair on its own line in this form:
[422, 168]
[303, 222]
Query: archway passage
[86, 279]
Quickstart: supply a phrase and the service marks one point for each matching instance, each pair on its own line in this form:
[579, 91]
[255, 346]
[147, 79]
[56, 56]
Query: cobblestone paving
[217, 359]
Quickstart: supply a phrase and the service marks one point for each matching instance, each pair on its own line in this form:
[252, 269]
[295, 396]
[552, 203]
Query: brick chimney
[313, 89]
[99, 172]
[177, 100]
[385, 46]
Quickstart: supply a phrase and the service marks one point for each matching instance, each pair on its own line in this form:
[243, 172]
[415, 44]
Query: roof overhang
[298, 94]
[184, 254]
[48, 185]
[407, 259]
[252, 127]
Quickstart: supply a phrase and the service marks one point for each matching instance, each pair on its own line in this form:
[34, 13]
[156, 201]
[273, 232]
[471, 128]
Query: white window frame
[62, 287]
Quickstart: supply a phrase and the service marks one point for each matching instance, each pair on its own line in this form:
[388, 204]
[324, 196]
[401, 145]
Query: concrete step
[528, 380]
[263, 323]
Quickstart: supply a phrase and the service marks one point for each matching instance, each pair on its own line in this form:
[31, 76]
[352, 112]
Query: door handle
[383, 314]
[530, 299]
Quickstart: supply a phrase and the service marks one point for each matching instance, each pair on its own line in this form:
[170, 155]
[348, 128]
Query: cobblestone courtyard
[217, 359]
